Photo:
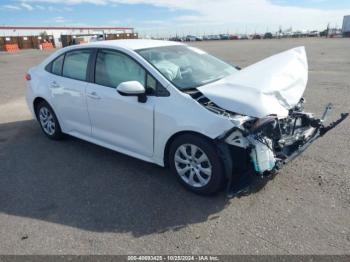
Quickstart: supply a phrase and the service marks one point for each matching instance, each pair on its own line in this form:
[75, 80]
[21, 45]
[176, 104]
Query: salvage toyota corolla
[178, 106]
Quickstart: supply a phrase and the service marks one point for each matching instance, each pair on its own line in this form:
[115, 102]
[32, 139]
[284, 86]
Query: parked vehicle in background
[313, 34]
[176, 105]
[176, 39]
[256, 36]
[268, 35]
[335, 33]
[287, 34]
[243, 37]
[213, 37]
[224, 37]
[297, 34]
[190, 38]
[234, 37]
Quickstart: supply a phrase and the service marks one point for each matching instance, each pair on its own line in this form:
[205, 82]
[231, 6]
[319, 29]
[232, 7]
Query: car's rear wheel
[196, 163]
[48, 121]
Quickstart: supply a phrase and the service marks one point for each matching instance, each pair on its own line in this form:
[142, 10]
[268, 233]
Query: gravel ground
[73, 197]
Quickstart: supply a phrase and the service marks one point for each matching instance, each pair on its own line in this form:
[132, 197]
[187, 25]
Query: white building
[73, 32]
[346, 26]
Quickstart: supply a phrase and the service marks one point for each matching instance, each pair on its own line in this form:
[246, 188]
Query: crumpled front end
[271, 142]
[264, 102]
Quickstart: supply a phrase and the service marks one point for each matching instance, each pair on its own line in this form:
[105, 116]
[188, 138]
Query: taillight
[28, 77]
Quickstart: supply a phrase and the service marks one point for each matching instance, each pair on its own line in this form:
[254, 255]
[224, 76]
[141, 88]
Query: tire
[48, 121]
[196, 163]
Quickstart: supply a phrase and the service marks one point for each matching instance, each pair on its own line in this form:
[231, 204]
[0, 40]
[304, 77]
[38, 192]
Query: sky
[181, 17]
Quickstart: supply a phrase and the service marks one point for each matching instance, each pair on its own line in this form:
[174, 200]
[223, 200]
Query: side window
[57, 65]
[113, 68]
[76, 63]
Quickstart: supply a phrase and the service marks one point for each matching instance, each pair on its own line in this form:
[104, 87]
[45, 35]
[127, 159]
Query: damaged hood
[271, 86]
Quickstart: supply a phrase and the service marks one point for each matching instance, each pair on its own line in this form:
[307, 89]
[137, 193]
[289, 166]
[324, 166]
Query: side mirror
[133, 88]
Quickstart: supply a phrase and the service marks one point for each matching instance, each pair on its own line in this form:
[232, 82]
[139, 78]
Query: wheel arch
[37, 101]
[175, 136]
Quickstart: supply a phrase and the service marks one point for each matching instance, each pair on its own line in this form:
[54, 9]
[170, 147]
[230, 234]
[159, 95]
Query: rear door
[118, 120]
[68, 85]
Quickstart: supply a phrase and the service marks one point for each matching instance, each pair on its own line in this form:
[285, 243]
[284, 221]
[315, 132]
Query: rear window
[76, 63]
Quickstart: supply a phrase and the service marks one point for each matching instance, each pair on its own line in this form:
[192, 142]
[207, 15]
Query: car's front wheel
[48, 121]
[196, 163]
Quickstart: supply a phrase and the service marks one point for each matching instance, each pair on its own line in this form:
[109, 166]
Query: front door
[119, 120]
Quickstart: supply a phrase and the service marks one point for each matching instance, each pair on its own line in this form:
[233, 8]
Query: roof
[134, 44]
[63, 28]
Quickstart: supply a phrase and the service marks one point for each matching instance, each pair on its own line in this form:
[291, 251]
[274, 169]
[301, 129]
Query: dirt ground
[73, 197]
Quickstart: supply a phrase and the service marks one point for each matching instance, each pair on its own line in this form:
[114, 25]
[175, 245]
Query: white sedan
[177, 106]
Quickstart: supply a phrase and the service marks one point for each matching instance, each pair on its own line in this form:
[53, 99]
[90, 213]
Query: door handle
[93, 95]
[54, 84]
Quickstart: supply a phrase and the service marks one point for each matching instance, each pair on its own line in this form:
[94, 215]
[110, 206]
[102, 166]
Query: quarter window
[113, 68]
[76, 63]
[151, 85]
[57, 65]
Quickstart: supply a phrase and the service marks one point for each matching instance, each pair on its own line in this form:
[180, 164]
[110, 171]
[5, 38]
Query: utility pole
[327, 33]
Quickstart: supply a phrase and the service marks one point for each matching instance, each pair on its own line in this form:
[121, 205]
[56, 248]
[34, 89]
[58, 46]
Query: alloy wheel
[47, 121]
[193, 165]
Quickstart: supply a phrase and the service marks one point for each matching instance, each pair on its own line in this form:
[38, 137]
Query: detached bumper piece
[272, 143]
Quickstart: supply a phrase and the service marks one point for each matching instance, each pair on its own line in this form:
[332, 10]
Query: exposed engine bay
[271, 141]
[265, 105]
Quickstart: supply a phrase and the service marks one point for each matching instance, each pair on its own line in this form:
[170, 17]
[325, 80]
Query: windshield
[186, 67]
